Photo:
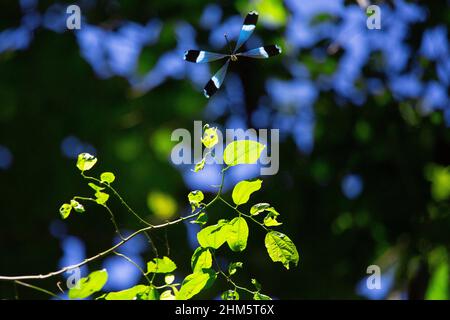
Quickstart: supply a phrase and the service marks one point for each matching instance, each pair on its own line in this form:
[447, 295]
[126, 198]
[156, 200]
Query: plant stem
[135, 264]
[107, 185]
[37, 288]
[107, 251]
[228, 278]
[243, 214]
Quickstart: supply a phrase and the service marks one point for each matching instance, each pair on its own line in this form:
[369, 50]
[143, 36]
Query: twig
[37, 289]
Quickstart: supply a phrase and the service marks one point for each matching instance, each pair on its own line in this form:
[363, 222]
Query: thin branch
[108, 251]
[228, 278]
[113, 220]
[107, 185]
[37, 289]
[243, 214]
[134, 263]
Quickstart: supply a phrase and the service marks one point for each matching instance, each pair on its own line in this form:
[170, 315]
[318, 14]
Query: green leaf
[210, 137]
[107, 177]
[260, 296]
[256, 284]
[195, 198]
[438, 288]
[101, 197]
[64, 210]
[200, 165]
[243, 189]
[192, 285]
[242, 152]
[232, 267]
[258, 208]
[85, 161]
[169, 278]
[281, 248]
[262, 207]
[271, 220]
[230, 295]
[86, 286]
[201, 259]
[213, 236]
[127, 294]
[237, 234]
[95, 187]
[150, 294]
[202, 219]
[164, 265]
[78, 207]
[167, 295]
[212, 277]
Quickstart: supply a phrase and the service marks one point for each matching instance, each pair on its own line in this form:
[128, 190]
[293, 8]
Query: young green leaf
[260, 296]
[232, 267]
[164, 265]
[202, 219]
[256, 284]
[95, 187]
[78, 207]
[195, 198]
[167, 295]
[230, 295]
[242, 152]
[127, 294]
[85, 161]
[281, 248]
[150, 294]
[258, 208]
[210, 137]
[200, 165]
[243, 189]
[237, 234]
[64, 210]
[271, 220]
[213, 236]
[169, 278]
[107, 177]
[201, 259]
[86, 286]
[101, 197]
[192, 285]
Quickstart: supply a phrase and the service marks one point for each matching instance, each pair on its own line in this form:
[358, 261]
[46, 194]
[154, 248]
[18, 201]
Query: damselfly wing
[199, 56]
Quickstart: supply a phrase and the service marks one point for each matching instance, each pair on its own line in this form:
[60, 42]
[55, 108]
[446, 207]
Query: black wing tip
[210, 89]
[191, 55]
[273, 50]
[251, 18]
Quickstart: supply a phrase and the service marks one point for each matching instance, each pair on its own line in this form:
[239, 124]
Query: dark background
[364, 117]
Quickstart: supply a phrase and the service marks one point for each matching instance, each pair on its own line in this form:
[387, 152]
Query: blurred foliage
[398, 219]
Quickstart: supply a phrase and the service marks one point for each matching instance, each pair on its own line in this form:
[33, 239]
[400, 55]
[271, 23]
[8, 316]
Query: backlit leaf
[78, 207]
[192, 285]
[237, 234]
[201, 259]
[87, 286]
[210, 137]
[108, 177]
[243, 189]
[232, 268]
[242, 152]
[213, 236]
[127, 294]
[65, 210]
[281, 248]
[164, 265]
[85, 161]
[230, 295]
